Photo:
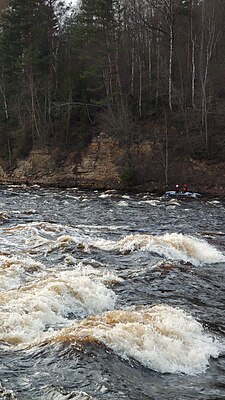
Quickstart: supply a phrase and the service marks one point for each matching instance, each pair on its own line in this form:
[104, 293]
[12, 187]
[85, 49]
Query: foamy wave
[6, 394]
[105, 195]
[162, 338]
[122, 203]
[173, 202]
[102, 275]
[26, 313]
[13, 270]
[64, 394]
[27, 237]
[154, 203]
[173, 246]
[213, 202]
[65, 240]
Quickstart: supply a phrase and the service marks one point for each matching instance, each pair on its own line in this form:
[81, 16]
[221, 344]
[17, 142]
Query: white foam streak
[122, 203]
[154, 203]
[105, 195]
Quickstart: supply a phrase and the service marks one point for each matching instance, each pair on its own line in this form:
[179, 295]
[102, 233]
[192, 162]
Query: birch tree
[210, 33]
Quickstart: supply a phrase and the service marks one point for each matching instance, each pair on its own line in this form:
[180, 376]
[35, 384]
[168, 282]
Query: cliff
[97, 167]
[105, 164]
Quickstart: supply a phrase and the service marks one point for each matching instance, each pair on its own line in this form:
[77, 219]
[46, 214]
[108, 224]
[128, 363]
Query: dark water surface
[111, 296]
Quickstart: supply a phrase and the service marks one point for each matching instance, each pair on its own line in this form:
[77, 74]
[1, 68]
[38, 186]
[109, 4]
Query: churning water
[110, 296]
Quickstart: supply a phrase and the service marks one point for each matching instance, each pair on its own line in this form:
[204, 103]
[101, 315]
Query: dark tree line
[115, 65]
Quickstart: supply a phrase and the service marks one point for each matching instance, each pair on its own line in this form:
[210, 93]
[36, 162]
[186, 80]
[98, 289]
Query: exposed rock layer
[103, 164]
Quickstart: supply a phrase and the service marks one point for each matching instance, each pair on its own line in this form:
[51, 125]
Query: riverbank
[104, 166]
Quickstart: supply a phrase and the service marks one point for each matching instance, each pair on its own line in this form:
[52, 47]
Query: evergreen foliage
[110, 64]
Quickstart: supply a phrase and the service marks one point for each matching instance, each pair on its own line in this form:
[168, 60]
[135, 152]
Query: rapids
[110, 296]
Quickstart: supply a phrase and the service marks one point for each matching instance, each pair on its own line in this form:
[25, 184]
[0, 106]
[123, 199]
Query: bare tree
[210, 32]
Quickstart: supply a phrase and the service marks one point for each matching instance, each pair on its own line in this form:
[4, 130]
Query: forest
[118, 66]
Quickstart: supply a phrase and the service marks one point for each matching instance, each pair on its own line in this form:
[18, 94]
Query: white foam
[122, 203]
[75, 395]
[162, 338]
[26, 313]
[94, 228]
[101, 275]
[173, 246]
[173, 202]
[153, 203]
[13, 270]
[24, 236]
[66, 240]
[105, 195]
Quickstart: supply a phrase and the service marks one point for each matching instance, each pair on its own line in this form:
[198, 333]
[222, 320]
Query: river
[111, 296]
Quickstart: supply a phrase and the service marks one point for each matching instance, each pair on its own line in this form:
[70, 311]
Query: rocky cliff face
[98, 167]
[103, 164]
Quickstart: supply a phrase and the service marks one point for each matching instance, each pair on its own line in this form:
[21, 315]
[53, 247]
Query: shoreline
[205, 195]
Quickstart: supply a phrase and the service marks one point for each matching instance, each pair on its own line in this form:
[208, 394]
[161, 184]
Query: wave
[7, 394]
[13, 271]
[173, 246]
[64, 394]
[122, 203]
[162, 338]
[154, 203]
[33, 311]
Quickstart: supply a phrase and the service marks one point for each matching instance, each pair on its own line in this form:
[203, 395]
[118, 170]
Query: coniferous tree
[28, 64]
[111, 64]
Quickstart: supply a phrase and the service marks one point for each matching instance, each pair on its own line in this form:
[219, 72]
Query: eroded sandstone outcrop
[105, 163]
[99, 167]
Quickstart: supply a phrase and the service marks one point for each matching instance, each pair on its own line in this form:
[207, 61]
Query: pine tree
[28, 46]
[100, 26]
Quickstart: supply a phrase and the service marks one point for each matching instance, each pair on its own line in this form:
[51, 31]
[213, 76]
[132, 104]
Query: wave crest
[162, 338]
